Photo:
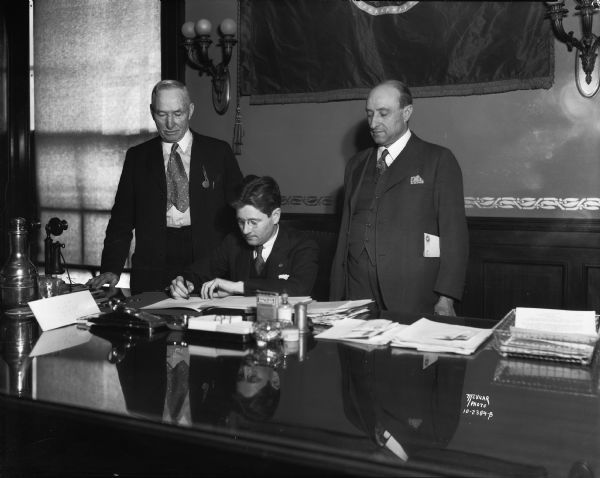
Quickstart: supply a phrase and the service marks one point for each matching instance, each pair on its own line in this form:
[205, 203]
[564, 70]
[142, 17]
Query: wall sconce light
[587, 70]
[197, 43]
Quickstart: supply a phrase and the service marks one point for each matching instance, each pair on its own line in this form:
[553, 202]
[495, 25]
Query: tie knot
[259, 250]
[174, 148]
[381, 164]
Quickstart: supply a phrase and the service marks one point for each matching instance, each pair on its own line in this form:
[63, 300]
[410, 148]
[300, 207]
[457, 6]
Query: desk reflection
[409, 404]
[17, 338]
[220, 386]
[404, 402]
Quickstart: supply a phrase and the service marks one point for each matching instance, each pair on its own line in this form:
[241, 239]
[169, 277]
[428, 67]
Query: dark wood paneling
[526, 284]
[546, 263]
[592, 275]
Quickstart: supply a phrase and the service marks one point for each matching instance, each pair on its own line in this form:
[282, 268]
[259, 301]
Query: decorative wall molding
[384, 8]
[471, 202]
[309, 201]
[530, 203]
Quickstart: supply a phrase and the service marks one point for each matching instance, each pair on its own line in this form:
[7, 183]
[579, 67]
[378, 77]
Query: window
[94, 63]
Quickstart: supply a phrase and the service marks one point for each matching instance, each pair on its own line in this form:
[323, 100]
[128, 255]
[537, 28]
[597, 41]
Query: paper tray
[573, 348]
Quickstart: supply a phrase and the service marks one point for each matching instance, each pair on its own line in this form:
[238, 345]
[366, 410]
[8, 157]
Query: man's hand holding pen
[181, 288]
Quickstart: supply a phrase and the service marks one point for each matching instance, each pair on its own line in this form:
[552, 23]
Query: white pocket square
[416, 180]
[283, 276]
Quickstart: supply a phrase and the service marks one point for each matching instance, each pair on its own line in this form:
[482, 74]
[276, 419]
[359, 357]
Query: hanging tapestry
[327, 50]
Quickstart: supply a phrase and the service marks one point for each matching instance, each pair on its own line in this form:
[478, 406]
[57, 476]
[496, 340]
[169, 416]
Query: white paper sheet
[556, 320]
[62, 310]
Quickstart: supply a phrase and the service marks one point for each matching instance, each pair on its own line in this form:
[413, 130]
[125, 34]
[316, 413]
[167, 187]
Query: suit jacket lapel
[404, 164]
[156, 166]
[359, 173]
[278, 253]
[197, 166]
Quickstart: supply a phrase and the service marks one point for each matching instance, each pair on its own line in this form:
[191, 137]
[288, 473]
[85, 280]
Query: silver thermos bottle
[18, 277]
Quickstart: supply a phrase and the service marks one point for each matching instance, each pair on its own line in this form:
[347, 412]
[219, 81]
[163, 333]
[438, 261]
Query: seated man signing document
[265, 256]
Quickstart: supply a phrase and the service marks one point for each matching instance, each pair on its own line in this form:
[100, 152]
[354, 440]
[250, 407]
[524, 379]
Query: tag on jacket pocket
[431, 245]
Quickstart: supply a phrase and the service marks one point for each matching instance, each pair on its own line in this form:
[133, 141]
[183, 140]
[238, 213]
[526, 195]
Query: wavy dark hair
[261, 192]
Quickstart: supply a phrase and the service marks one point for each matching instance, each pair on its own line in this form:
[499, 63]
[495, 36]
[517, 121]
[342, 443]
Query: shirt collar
[185, 144]
[268, 246]
[395, 148]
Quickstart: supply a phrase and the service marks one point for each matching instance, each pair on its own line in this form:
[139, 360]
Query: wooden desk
[97, 408]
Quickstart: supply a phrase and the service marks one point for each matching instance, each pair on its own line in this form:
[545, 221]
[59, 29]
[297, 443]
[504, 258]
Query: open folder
[235, 302]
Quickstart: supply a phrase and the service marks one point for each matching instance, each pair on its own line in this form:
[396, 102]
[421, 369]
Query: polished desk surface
[324, 406]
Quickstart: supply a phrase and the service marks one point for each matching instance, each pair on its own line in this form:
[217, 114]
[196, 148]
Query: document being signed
[237, 302]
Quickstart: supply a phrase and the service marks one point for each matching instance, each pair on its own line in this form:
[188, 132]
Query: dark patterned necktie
[259, 262]
[381, 164]
[177, 182]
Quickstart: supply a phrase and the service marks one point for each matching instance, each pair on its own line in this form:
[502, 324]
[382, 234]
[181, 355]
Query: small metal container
[300, 317]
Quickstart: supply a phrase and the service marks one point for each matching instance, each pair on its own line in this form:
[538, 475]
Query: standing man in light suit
[403, 238]
[174, 193]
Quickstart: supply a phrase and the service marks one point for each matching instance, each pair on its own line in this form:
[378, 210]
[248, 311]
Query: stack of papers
[428, 336]
[424, 335]
[373, 332]
[556, 320]
[327, 313]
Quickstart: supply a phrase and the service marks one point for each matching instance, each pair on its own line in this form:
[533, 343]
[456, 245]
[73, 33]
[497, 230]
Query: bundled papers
[327, 313]
[428, 336]
[373, 332]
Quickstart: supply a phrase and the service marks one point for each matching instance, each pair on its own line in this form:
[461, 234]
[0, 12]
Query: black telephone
[133, 320]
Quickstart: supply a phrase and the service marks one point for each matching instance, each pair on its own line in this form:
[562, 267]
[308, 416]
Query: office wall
[533, 153]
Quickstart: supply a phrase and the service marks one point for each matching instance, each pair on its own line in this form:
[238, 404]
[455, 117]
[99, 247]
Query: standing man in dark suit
[265, 256]
[174, 192]
[403, 238]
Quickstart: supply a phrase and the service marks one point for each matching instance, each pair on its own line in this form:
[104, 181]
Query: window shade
[95, 63]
